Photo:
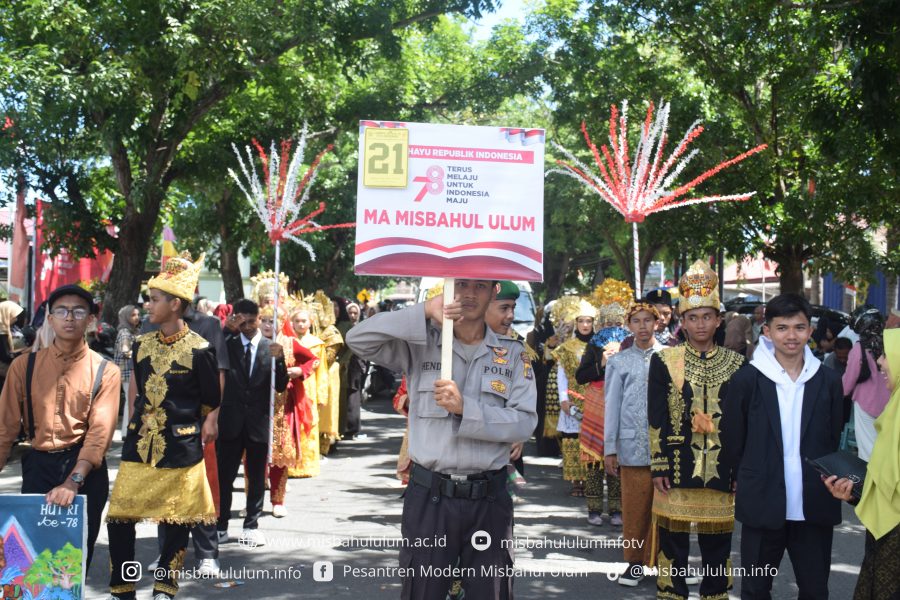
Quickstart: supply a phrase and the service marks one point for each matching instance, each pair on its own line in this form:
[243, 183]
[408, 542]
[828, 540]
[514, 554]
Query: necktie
[247, 363]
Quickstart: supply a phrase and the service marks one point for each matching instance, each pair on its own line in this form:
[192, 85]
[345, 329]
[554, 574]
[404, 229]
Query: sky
[509, 9]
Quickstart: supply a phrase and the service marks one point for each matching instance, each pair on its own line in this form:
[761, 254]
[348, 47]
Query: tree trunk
[556, 268]
[815, 289]
[135, 236]
[790, 276]
[229, 248]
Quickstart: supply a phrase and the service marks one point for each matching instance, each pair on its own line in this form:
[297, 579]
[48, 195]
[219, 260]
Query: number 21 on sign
[386, 157]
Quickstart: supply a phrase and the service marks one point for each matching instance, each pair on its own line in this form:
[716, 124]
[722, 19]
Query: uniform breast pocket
[495, 391]
[425, 405]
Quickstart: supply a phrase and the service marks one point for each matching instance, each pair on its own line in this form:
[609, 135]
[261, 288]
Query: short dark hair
[245, 306]
[182, 303]
[843, 343]
[788, 305]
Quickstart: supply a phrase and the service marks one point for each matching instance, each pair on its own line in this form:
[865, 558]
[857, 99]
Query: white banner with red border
[450, 201]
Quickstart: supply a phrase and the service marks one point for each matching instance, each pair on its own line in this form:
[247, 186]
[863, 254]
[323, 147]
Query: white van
[523, 320]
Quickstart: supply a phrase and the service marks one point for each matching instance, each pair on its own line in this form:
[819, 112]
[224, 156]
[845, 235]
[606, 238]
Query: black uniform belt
[472, 487]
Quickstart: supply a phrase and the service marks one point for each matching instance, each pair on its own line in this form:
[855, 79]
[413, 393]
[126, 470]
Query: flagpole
[274, 340]
[639, 293]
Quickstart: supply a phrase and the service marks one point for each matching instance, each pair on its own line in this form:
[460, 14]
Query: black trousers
[43, 471]
[124, 572]
[228, 454]
[715, 548]
[809, 547]
[429, 517]
[206, 544]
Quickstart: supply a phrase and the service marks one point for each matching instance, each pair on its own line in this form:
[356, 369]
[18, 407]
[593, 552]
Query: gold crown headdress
[179, 277]
[264, 285]
[698, 288]
[300, 301]
[568, 308]
[613, 299]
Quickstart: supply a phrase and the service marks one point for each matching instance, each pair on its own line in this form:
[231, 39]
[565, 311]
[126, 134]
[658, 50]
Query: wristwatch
[78, 478]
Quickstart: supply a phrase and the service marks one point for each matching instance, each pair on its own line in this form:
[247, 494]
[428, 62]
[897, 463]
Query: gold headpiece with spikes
[264, 285]
[179, 277]
[568, 308]
[300, 301]
[698, 288]
[613, 298]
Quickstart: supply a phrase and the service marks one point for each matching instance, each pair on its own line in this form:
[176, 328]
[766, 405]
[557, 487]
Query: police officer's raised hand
[436, 311]
[447, 396]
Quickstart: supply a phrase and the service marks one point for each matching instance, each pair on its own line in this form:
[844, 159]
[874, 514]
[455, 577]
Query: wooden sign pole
[447, 331]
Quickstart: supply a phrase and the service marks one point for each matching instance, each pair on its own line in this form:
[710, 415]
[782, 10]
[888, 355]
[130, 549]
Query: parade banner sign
[43, 548]
[450, 201]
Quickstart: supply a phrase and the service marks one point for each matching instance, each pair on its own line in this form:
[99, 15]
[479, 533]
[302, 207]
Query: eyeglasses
[62, 313]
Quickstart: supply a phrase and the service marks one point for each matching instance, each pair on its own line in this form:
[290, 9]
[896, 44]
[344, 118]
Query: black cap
[72, 290]
[659, 297]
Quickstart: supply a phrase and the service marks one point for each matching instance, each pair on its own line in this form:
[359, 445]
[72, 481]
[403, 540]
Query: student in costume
[581, 313]
[162, 477]
[687, 387]
[293, 415]
[316, 388]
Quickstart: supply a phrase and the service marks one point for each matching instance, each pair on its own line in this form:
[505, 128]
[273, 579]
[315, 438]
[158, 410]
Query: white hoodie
[790, 407]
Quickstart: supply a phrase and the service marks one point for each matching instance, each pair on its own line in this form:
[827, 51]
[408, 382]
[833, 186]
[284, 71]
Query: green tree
[120, 87]
[771, 68]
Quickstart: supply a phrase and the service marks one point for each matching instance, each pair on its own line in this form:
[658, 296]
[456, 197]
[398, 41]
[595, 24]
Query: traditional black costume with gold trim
[162, 477]
[686, 390]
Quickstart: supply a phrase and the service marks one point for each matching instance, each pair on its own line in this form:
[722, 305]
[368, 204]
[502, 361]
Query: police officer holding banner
[456, 511]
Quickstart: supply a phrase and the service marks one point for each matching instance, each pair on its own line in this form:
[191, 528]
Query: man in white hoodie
[780, 409]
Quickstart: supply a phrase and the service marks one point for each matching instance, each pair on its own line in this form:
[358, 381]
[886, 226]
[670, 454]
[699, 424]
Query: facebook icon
[323, 571]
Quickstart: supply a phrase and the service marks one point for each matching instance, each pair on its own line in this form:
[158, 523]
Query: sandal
[577, 490]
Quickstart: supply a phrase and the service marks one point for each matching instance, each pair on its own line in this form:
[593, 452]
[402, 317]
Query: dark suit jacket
[245, 404]
[752, 446]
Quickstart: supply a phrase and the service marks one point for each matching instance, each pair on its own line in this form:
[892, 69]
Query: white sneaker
[162, 597]
[595, 518]
[279, 510]
[222, 536]
[154, 564]
[209, 567]
[242, 513]
[252, 538]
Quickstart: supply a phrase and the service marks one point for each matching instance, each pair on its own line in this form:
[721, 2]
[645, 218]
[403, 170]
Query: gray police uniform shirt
[497, 387]
[626, 430]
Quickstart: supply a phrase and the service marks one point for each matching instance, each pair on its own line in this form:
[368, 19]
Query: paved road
[346, 515]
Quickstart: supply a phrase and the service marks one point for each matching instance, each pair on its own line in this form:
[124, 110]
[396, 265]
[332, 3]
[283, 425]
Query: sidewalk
[350, 516]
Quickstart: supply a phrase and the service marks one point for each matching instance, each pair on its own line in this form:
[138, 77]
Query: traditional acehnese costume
[685, 394]
[162, 477]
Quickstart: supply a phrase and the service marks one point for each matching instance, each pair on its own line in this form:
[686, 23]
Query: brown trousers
[637, 504]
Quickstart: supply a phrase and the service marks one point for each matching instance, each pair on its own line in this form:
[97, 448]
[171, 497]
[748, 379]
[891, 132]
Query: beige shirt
[61, 396]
